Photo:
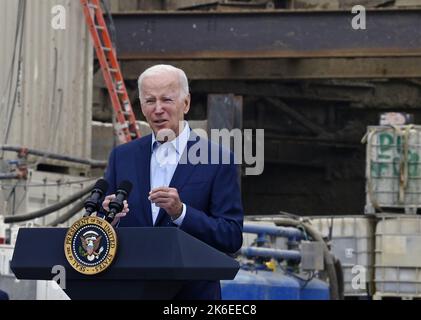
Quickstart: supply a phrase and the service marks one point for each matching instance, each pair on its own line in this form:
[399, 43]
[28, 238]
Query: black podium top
[142, 254]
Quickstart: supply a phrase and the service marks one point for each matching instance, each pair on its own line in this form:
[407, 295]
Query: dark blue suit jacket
[3, 295]
[210, 192]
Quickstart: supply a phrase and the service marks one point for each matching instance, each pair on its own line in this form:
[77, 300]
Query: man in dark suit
[178, 178]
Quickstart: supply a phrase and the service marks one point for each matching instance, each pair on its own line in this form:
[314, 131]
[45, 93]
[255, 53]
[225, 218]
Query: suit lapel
[184, 170]
[182, 173]
[144, 178]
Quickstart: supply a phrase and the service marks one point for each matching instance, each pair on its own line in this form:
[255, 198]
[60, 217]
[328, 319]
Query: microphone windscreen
[102, 185]
[126, 186]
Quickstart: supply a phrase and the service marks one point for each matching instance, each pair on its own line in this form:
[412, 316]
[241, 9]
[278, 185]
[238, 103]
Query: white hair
[163, 68]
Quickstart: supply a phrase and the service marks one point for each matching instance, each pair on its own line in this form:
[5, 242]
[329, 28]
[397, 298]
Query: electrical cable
[292, 274]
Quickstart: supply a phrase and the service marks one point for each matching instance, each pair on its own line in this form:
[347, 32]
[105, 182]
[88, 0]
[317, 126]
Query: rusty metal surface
[269, 34]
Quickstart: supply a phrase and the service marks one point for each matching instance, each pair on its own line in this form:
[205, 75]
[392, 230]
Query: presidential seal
[90, 245]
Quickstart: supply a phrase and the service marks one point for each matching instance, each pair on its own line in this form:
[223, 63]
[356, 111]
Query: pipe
[274, 253]
[287, 232]
[93, 163]
[50, 209]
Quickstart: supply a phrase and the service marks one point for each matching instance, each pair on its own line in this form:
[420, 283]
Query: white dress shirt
[164, 161]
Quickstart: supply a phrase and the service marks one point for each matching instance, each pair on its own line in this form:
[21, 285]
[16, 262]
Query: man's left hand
[167, 199]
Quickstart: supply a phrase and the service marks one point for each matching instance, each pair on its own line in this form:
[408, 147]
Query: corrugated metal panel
[53, 111]
[8, 17]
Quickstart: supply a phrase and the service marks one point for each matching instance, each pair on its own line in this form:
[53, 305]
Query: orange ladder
[126, 128]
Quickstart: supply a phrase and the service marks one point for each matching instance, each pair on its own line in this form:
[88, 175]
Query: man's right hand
[105, 205]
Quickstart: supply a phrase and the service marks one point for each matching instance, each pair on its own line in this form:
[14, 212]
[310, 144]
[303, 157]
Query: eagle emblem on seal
[91, 242]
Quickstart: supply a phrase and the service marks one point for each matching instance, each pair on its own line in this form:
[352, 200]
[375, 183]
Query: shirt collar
[179, 142]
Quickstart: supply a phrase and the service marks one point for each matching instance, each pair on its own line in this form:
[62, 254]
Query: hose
[69, 214]
[50, 209]
[340, 276]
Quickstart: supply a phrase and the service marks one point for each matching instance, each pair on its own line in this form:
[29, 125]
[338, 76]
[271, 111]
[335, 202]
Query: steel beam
[274, 69]
[268, 34]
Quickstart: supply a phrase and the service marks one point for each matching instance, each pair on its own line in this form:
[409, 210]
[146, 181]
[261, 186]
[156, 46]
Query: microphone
[92, 204]
[117, 204]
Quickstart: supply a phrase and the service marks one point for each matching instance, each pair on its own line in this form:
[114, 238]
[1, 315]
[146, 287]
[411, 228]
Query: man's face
[163, 104]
